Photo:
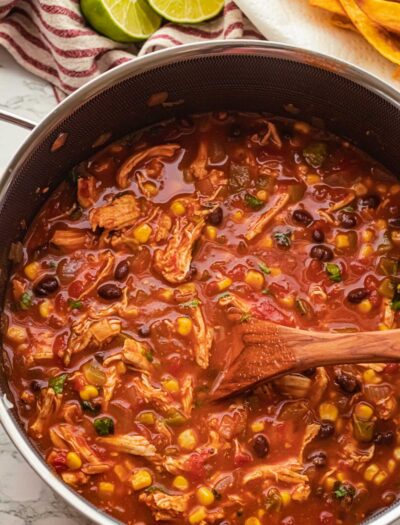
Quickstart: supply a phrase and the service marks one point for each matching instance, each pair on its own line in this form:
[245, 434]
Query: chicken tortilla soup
[123, 299]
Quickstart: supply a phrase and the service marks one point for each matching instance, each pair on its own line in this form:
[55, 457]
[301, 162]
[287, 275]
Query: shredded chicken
[198, 168]
[151, 394]
[290, 473]
[203, 338]
[105, 261]
[388, 314]
[131, 444]
[166, 507]
[319, 384]
[232, 423]
[120, 213]
[71, 412]
[75, 479]
[121, 308]
[48, 406]
[87, 194]
[187, 395]
[71, 240]
[112, 381]
[353, 454]
[133, 354]
[310, 434]
[41, 347]
[174, 259]
[293, 385]
[90, 333]
[261, 221]
[236, 308]
[344, 202]
[164, 150]
[271, 135]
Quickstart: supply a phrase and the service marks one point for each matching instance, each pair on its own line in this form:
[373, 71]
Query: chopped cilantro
[253, 202]
[301, 306]
[350, 209]
[26, 300]
[344, 490]
[75, 304]
[266, 291]
[395, 302]
[315, 154]
[225, 294]
[57, 383]
[191, 304]
[264, 268]
[283, 240]
[333, 271]
[52, 264]
[148, 355]
[104, 426]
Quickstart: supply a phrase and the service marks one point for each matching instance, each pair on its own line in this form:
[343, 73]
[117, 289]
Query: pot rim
[91, 90]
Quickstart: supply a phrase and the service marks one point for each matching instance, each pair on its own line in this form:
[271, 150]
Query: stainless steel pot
[245, 75]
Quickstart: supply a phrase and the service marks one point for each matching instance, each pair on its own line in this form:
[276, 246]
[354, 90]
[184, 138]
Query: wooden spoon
[262, 351]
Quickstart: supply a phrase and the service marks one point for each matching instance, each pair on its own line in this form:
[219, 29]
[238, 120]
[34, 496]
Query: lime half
[121, 20]
[187, 11]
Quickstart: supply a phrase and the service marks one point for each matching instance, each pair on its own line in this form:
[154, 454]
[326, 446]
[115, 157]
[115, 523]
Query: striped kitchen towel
[51, 39]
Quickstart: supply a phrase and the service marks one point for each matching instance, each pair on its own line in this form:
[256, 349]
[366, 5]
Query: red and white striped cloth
[51, 39]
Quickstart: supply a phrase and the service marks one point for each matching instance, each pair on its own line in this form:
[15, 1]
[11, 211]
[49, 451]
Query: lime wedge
[121, 20]
[187, 11]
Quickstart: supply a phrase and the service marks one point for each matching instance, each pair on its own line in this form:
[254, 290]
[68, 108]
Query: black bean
[348, 383]
[394, 222]
[322, 253]
[318, 236]
[235, 131]
[357, 295]
[384, 438]
[191, 273]
[46, 286]
[109, 291]
[327, 429]
[144, 331]
[122, 270]
[216, 216]
[260, 445]
[318, 458]
[348, 220]
[370, 201]
[302, 217]
[310, 372]
[35, 386]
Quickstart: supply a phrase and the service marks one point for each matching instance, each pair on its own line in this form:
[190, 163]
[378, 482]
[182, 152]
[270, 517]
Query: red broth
[121, 309]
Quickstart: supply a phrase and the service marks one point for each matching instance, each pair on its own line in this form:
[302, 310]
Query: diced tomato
[59, 461]
[392, 368]
[60, 344]
[78, 383]
[267, 310]
[196, 465]
[75, 289]
[326, 518]
[174, 365]
[241, 459]
[238, 272]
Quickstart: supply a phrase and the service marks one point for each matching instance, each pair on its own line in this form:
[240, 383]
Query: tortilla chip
[382, 12]
[387, 44]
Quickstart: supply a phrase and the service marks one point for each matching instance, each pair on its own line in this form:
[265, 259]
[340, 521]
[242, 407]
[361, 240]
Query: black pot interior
[221, 81]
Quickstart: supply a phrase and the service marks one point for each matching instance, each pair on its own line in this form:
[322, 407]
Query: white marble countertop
[24, 498]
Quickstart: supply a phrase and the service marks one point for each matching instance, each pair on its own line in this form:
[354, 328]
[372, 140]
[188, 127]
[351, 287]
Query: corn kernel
[363, 411]
[121, 472]
[261, 513]
[391, 465]
[396, 453]
[365, 306]
[223, 284]
[31, 270]
[147, 418]
[367, 235]
[381, 224]
[366, 250]
[167, 294]
[211, 232]
[187, 439]
[184, 325]
[141, 479]
[265, 242]
[360, 189]
[88, 392]
[340, 476]
[302, 127]
[255, 279]
[328, 411]
[383, 326]
[142, 233]
[150, 189]
[371, 377]
[178, 208]
[180, 483]
[380, 478]
[45, 308]
[275, 272]
[237, 216]
[172, 385]
[197, 516]
[329, 483]
[74, 462]
[257, 426]
[205, 496]
[394, 189]
[313, 178]
[17, 334]
[285, 497]
[262, 195]
[252, 521]
[370, 472]
[106, 489]
[287, 301]
[342, 241]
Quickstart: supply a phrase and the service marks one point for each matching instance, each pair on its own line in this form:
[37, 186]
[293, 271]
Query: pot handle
[6, 116]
